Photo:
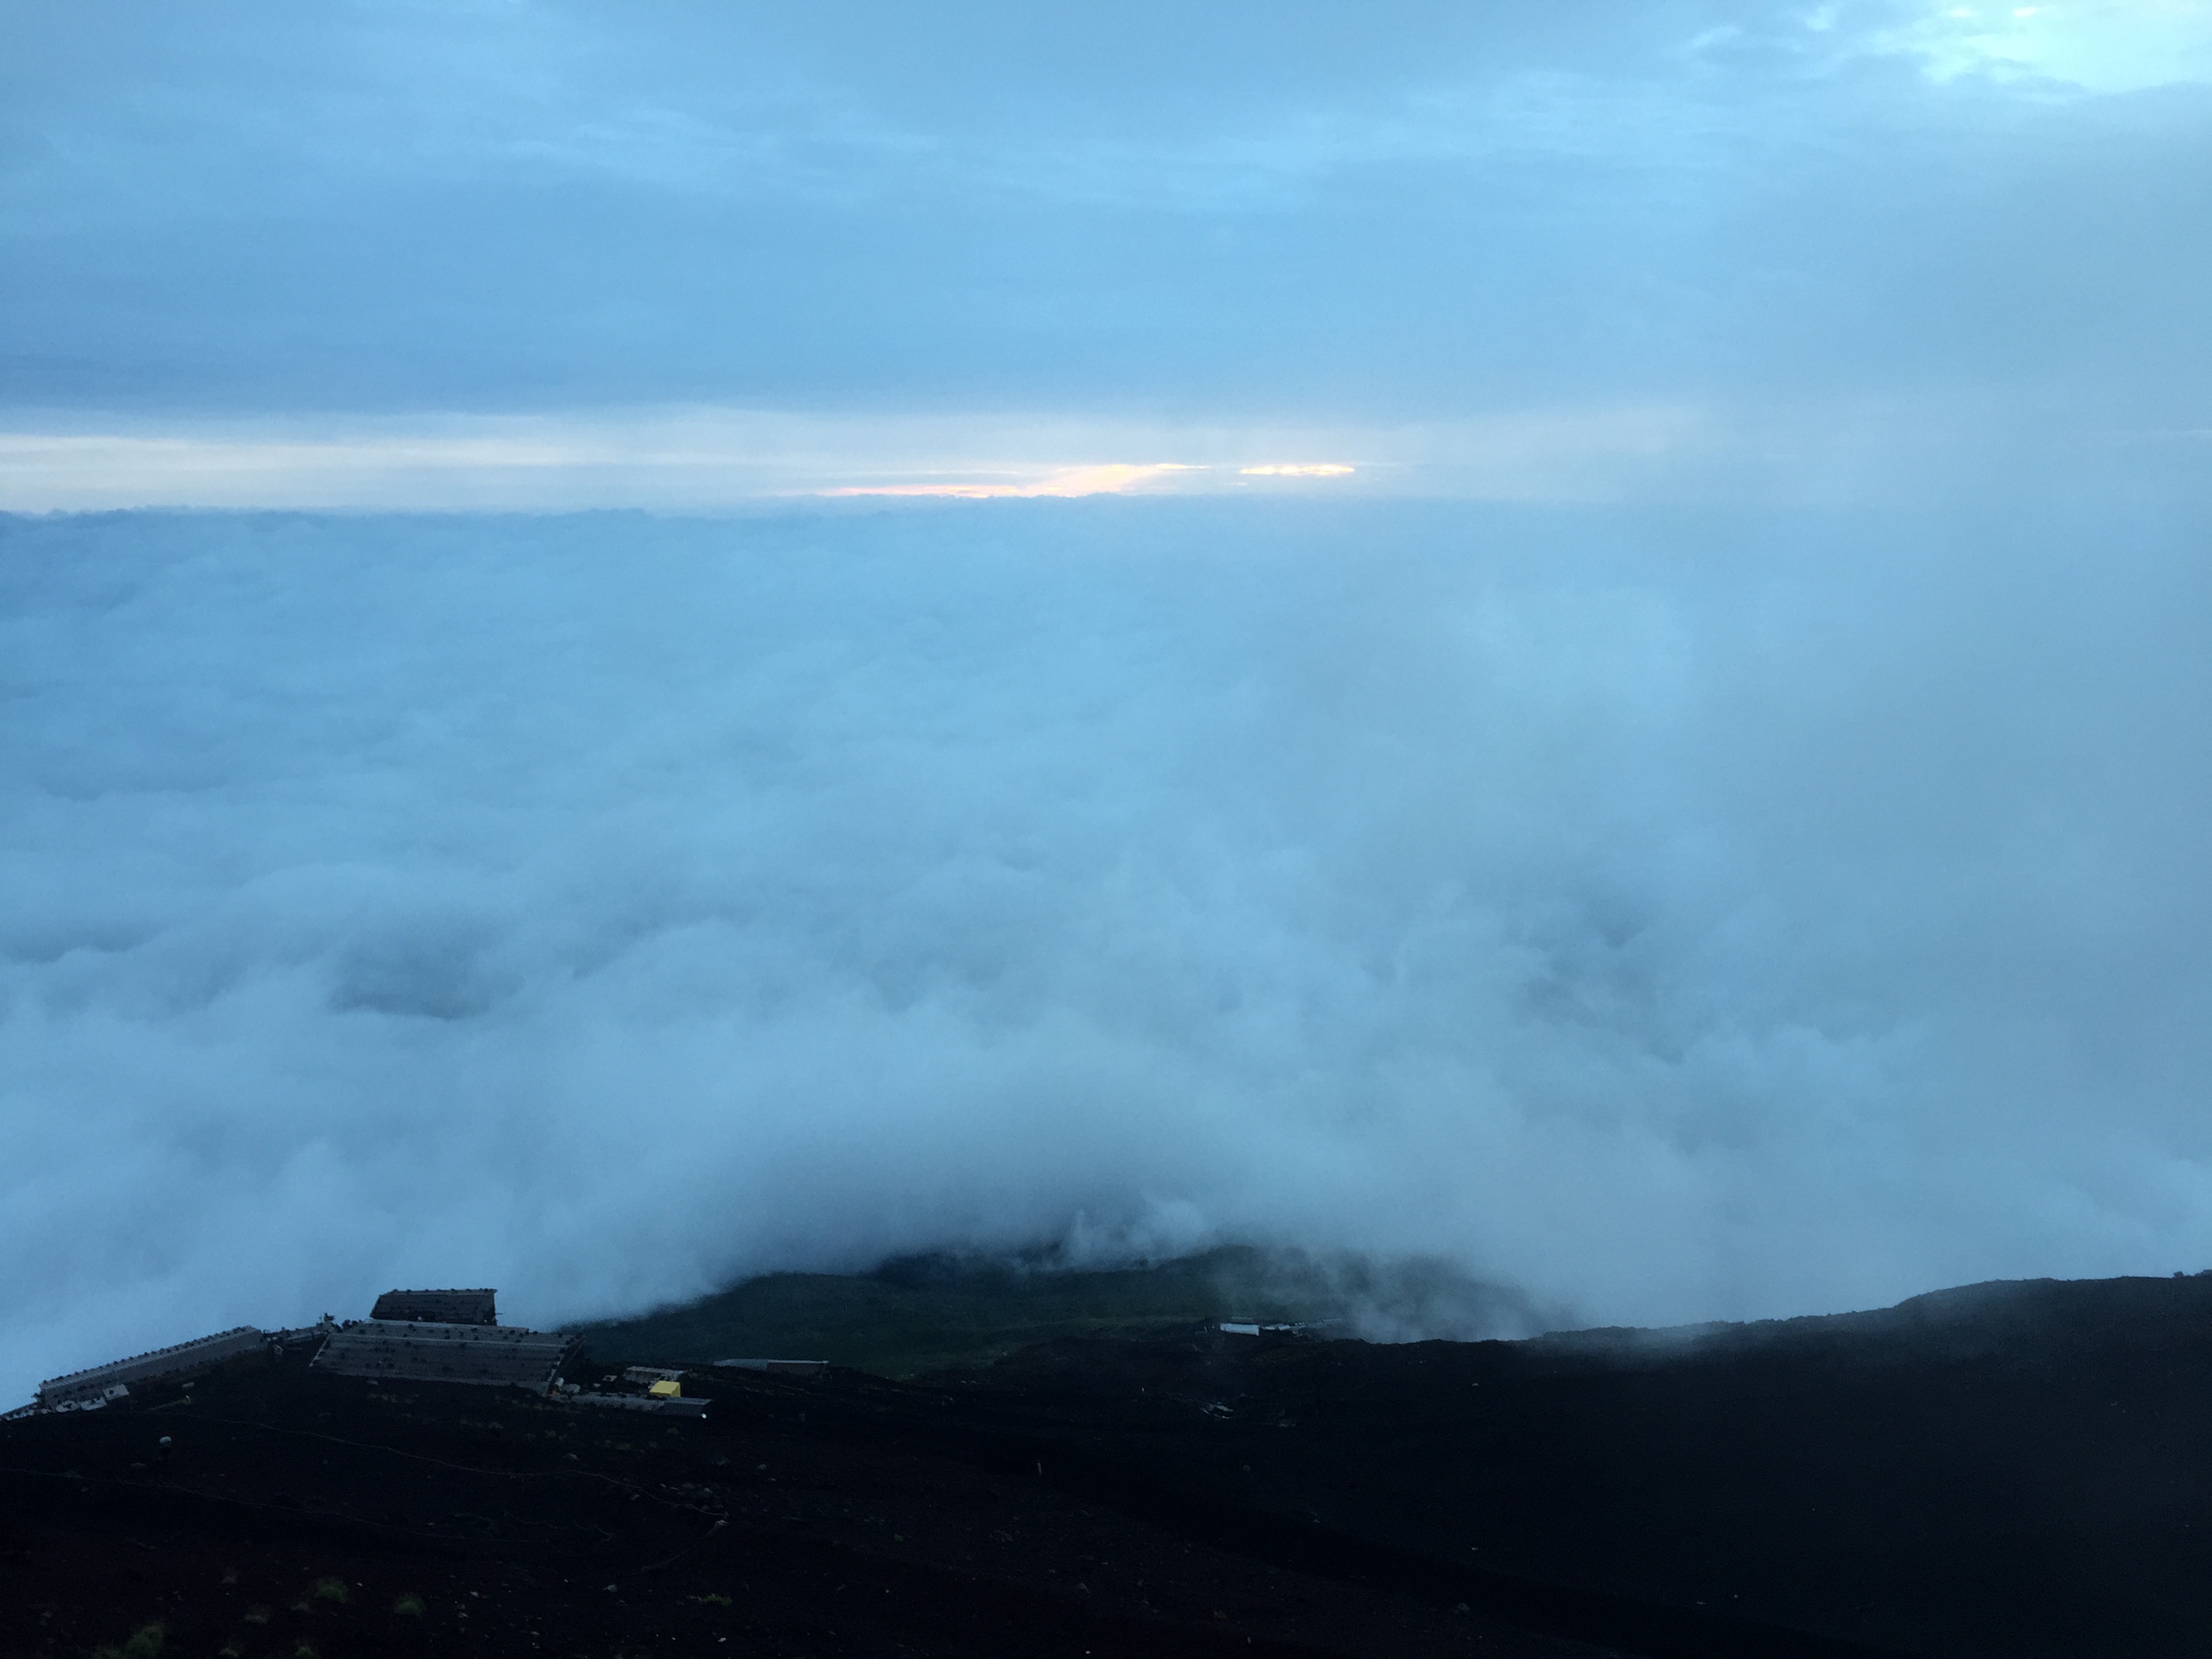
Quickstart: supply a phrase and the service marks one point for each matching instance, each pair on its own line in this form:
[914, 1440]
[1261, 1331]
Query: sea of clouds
[1669, 915]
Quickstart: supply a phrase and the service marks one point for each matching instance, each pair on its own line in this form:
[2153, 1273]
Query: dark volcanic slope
[2014, 1470]
[2007, 1469]
[298, 1513]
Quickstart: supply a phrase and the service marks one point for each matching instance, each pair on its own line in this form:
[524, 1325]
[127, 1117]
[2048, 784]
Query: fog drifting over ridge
[1670, 914]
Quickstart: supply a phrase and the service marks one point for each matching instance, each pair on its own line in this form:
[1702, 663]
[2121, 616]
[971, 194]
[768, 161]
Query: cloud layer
[1672, 915]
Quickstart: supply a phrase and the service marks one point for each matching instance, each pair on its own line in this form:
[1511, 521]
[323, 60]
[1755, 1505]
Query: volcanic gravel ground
[2016, 1470]
[298, 1513]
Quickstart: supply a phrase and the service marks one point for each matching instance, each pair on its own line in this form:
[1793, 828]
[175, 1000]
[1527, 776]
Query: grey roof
[295, 1335]
[439, 1307]
[413, 1352]
[197, 1355]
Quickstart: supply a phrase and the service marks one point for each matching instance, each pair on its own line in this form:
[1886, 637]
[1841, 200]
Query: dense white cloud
[1670, 913]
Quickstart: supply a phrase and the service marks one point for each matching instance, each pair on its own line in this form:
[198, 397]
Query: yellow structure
[666, 1389]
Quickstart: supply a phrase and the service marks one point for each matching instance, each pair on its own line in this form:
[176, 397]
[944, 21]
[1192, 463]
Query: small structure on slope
[783, 1367]
[437, 1307]
[660, 1389]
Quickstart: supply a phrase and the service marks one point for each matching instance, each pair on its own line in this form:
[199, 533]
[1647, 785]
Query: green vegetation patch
[935, 1313]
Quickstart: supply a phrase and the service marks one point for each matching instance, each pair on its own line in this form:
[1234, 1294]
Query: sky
[644, 644]
[472, 255]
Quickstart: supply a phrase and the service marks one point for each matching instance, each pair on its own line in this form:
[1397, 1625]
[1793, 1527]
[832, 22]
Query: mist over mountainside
[1667, 914]
[921, 1314]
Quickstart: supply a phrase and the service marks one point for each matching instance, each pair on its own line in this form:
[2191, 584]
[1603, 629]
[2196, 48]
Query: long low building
[787, 1367]
[421, 1352]
[179, 1360]
[677, 1407]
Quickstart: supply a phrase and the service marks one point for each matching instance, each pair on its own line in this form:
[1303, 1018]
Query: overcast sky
[1627, 707]
[1591, 249]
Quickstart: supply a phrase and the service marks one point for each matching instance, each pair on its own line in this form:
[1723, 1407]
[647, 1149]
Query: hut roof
[423, 1352]
[184, 1357]
[439, 1307]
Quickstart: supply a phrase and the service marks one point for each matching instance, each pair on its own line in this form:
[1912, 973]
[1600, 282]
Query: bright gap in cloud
[689, 459]
[1108, 478]
[2104, 45]
[711, 459]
